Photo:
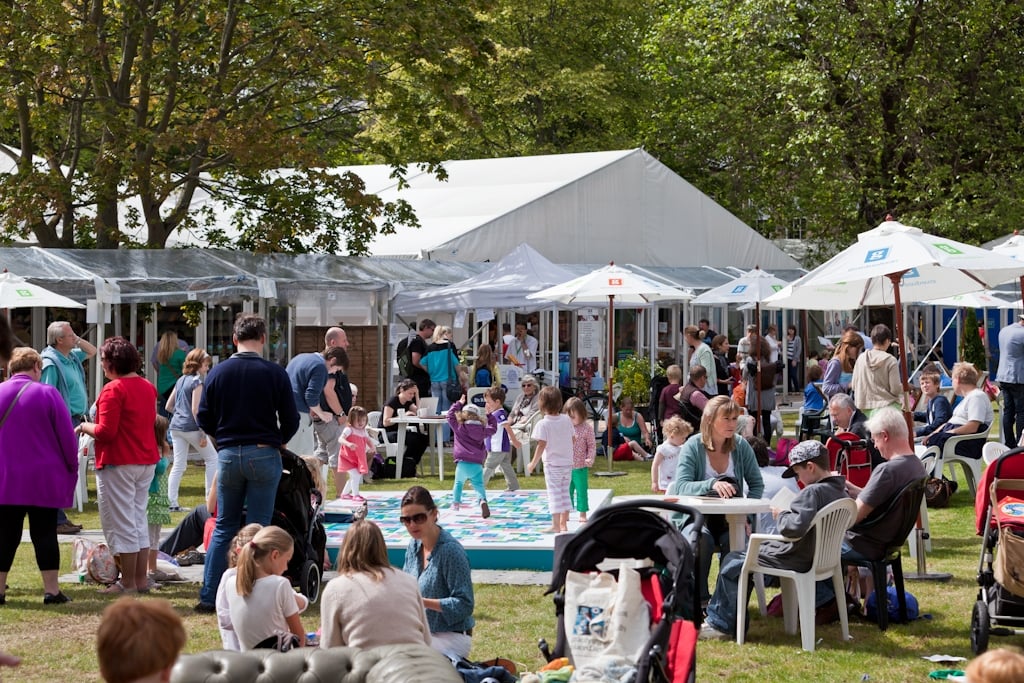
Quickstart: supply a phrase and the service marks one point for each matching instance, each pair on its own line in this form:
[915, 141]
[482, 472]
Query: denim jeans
[440, 390]
[1013, 412]
[247, 478]
[709, 538]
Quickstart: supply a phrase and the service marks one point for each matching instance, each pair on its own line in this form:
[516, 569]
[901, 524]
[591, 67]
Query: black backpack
[404, 357]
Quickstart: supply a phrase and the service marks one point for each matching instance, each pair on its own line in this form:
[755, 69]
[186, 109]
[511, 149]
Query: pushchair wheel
[309, 579]
[979, 627]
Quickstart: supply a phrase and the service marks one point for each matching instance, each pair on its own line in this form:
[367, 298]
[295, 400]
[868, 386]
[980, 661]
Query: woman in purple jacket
[38, 468]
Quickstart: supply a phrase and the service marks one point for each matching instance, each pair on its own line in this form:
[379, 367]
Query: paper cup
[423, 412]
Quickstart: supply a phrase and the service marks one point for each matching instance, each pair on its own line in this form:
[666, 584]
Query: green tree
[972, 350]
[565, 76]
[839, 113]
[164, 100]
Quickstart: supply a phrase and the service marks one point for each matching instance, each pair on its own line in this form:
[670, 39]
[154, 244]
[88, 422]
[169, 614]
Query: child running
[355, 446]
[158, 506]
[471, 430]
[553, 435]
[264, 608]
[584, 450]
[228, 637]
[499, 450]
[666, 458]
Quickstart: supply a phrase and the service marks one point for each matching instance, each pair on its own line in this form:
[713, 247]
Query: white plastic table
[735, 510]
[436, 424]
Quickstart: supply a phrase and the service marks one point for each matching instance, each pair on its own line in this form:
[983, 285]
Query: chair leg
[805, 598]
[762, 606]
[840, 590]
[790, 606]
[881, 594]
[741, 604]
[901, 593]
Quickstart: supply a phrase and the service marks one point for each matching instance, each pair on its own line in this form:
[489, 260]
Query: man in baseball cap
[808, 461]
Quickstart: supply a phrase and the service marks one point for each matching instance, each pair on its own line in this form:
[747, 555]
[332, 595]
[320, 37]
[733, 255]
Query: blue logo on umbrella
[877, 255]
[738, 289]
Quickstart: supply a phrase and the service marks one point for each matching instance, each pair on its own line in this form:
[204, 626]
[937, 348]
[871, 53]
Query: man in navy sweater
[248, 409]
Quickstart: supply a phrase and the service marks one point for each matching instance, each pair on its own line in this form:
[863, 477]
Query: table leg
[737, 532]
[439, 445]
[401, 451]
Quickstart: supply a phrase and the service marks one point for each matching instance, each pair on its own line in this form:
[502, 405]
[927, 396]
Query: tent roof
[592, 207]
[504, 284]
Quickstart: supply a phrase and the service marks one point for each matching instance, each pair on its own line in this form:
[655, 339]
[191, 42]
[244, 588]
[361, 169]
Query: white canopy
[503, 285]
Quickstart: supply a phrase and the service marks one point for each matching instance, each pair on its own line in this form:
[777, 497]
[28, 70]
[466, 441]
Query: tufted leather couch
[385, 664]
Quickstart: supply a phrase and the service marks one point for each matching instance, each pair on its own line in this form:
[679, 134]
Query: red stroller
[628, 530]
[848, 454]
[999, 515]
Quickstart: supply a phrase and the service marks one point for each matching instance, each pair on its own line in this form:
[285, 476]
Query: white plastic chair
[383, 444]
[525, 451]
[85, 455]
[949, 458]
[991, 451]
[829, 527]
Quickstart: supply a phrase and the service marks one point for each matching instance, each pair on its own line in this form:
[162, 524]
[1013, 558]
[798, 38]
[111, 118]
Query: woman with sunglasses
[441, 567]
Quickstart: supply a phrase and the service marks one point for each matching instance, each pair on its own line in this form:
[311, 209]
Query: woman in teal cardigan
[716, 462]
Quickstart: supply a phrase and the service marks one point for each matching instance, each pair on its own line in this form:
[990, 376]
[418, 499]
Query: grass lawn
[56, 643]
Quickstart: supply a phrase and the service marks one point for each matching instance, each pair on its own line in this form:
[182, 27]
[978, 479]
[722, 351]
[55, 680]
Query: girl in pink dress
[355, 445]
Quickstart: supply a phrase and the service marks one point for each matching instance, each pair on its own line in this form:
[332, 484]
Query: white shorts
[123, 494]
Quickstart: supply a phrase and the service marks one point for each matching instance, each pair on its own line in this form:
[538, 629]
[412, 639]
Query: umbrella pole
[611, 405]
[756, 384]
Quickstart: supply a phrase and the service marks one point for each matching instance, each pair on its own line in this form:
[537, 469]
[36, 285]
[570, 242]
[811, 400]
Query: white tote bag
[605, 617]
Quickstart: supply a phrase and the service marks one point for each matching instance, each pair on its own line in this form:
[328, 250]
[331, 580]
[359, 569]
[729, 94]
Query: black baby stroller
[999, 516]
[628, 530]
[297, 511]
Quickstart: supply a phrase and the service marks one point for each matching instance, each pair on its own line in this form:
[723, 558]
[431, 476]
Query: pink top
[584, 445]
[353, 457]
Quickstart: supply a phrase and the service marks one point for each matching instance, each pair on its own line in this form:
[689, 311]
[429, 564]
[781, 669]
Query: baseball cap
[802, 452]
[471, 409]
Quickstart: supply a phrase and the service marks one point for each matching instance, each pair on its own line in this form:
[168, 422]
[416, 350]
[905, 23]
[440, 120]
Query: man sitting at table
[808, 461]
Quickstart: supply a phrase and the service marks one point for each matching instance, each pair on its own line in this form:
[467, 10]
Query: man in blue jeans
[808, 461]
[248, 409]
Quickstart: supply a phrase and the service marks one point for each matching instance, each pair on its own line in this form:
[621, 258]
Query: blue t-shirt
[813, 400]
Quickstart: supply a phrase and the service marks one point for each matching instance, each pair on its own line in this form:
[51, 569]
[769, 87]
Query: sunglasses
[418, 518]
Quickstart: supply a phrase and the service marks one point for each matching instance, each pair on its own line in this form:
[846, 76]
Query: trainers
[485, 510]
[58, 599]
[709, 632]
[189, 557]
[68, 528]
[204, 608]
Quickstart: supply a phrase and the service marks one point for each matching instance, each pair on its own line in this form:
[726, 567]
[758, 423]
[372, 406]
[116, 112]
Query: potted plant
[633, 374]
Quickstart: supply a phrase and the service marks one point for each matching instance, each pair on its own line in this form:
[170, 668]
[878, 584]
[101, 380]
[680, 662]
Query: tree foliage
[156, 100]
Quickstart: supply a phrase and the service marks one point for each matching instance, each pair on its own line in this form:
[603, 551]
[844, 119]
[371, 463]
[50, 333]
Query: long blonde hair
[850, 338]
[718, 406]
[242, 538]
[255, 552]
[168, 344]
[363, 551]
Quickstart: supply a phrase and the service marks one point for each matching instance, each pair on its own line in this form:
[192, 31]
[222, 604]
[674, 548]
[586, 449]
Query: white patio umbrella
[891, 262]
[16, 292]
[608, 285]
[752, 287]
[982, 299]
[1014, 248]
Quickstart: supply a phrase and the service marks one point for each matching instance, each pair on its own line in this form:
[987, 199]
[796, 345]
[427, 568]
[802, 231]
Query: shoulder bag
[454, 387]
[14, 401]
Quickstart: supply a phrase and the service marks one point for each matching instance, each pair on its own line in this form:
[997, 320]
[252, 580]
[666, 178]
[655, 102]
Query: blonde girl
[228, 637]
[355, 445]
[666, 458]
[485, 370]
[584, 450]
[264, 609]
[553, 434]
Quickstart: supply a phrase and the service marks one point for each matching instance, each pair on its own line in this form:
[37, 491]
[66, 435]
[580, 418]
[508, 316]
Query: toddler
[228, 638]
[263, 606]
[158, 505]
[553, 435]
[584, 450]
[355, 445]
[666, 458]
[499, 450]
[814, 400]
[471, 430]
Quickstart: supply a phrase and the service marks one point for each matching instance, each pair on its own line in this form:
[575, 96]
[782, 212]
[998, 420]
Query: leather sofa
[385, 664]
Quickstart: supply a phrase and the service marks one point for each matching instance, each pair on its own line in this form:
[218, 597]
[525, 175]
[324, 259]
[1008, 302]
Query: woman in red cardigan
[126, 457]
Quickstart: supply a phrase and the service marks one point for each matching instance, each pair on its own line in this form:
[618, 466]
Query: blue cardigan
[692, 477]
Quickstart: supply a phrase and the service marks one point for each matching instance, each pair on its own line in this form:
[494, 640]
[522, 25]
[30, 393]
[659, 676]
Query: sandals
[116, 589]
